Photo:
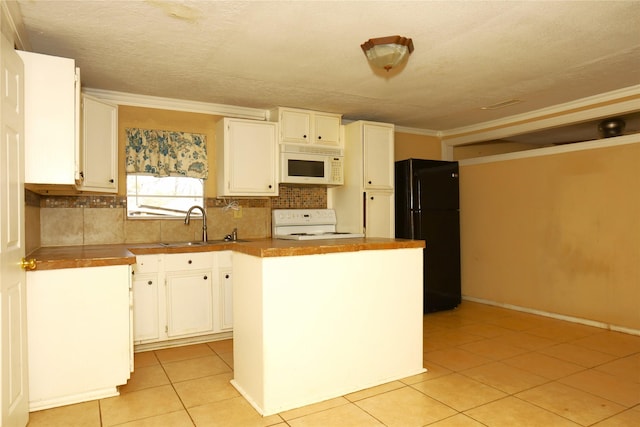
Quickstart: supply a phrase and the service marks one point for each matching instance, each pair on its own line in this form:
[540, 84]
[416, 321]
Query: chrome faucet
[232, 237]
[204, 220]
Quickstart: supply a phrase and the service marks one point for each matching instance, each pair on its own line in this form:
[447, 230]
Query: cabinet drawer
[146, 264]
[188, 261]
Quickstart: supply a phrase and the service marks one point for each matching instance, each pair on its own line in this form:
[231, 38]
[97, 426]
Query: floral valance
[166, 153]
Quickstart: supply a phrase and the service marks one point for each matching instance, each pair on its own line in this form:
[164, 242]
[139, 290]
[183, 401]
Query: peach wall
[415, 146]
[151, 118]
[557, 233]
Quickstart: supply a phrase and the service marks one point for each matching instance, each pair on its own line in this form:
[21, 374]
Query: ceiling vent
[502, 104]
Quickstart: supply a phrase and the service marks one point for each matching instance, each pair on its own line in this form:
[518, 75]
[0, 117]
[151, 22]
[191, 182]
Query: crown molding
[593, 107]
[548, 151]
[122, 98]
[416, 131]
[11, 11]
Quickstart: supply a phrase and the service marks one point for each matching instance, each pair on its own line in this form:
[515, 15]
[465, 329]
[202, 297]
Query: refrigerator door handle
[416, 229]
[418, 196]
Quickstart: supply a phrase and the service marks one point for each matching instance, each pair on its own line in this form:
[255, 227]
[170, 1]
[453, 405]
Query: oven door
[296, 168]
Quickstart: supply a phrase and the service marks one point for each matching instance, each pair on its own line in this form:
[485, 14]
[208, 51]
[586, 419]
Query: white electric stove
[307, 224]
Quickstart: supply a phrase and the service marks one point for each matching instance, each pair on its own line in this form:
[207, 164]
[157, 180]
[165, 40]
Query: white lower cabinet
[224, 291]
[379, 211]
[189, 293]
[146, 319]
[146, 299]
[189, 303]
[182, 295]
[78, 328]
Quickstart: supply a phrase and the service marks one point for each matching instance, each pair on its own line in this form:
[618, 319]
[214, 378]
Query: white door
[145, 313]
[13, 308]
[189, 303]
[327, 129]
[99, 170]
[252, 153]
[378, 157]
[225, 278]
[380, 207]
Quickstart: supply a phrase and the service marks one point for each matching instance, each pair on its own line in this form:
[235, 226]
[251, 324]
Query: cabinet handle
[111, 181]
[369, 182]
[304, 136]
[150, 282]
[371, 197]
[205, 277]
[319, 137]
[189, 261]
[226, 276]
[270, 186]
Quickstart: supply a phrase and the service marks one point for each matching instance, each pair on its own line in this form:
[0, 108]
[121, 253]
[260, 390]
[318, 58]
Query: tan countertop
[51, 258]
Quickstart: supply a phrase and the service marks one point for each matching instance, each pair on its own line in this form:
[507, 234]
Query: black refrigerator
[427, 208]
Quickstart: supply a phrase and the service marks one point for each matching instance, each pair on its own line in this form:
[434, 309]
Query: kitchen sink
[196, 243]
[181, 244]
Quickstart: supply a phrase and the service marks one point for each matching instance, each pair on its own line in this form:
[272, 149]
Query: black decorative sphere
[611, 127]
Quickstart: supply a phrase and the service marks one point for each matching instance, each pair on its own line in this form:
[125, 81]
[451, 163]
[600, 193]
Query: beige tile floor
[487, 366]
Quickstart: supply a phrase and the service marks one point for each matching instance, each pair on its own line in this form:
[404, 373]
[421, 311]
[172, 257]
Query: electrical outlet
[238, 213]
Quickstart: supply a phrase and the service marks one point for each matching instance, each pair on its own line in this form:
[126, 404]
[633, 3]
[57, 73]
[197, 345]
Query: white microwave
[309, 164]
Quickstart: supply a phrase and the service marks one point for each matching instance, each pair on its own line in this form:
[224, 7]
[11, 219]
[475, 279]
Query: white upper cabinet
[99, 148]
[308, 127]
[246, 158]
[295, 126]
[377, 140]
[52, 119]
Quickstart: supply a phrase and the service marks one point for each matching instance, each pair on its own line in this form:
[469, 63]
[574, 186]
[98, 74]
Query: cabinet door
[145, 308]
[51, 121]
[189, 303]
[99, 159]
[79, 334]
[295, 126]
[379, 214]
[327, 129]
[378, 156]
[226, 299]
[250, 163]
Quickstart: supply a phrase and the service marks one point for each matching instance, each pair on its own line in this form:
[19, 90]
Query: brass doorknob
[28, 264]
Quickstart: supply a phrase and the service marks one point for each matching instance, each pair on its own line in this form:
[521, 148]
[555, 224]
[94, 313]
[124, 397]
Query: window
[163, 197]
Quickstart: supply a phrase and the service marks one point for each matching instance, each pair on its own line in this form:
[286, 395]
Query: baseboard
[572, 319]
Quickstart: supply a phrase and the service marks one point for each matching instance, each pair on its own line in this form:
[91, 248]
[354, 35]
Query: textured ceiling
[306, 54]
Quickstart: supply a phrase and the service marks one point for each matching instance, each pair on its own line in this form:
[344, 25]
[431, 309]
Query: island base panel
[310, 328]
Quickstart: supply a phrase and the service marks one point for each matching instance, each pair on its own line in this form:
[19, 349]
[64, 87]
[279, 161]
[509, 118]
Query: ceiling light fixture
[387, 52]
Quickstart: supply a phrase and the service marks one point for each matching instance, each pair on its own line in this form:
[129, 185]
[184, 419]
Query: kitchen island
[312, 320]
[311, 327]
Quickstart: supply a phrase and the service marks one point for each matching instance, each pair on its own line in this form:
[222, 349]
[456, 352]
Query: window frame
[166, 210]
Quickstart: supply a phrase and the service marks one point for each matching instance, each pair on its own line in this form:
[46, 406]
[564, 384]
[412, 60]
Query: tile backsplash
[102, 219]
